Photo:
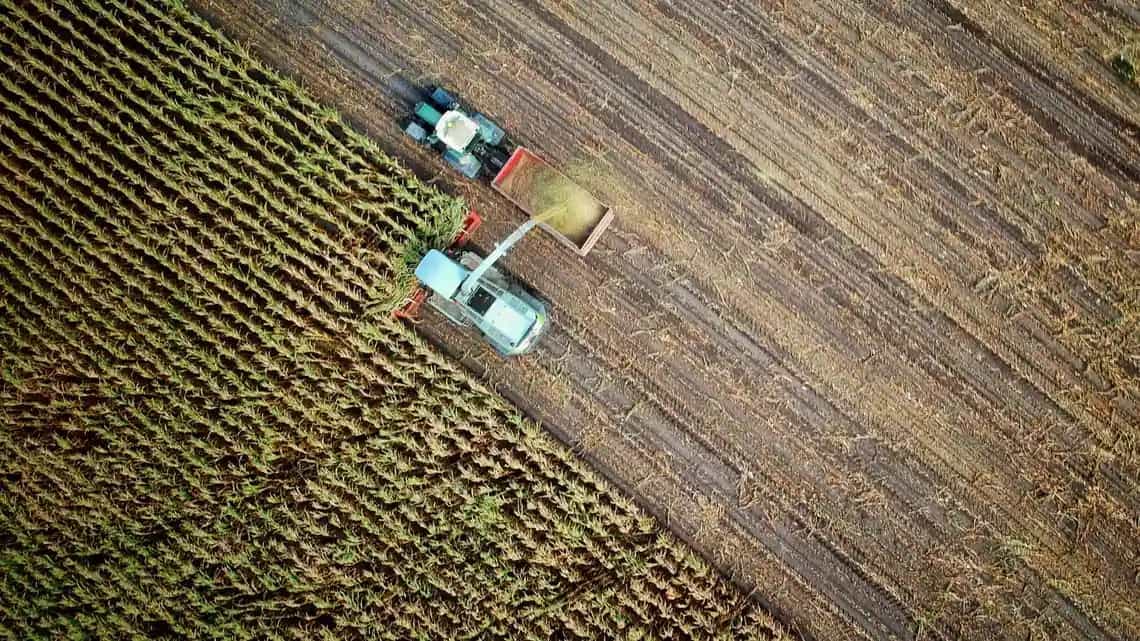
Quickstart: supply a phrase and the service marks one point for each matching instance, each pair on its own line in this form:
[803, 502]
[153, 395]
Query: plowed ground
[866, 331]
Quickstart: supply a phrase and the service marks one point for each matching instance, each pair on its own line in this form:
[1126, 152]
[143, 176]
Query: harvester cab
[469, 141]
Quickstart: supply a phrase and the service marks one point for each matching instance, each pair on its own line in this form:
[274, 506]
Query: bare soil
[866, 330]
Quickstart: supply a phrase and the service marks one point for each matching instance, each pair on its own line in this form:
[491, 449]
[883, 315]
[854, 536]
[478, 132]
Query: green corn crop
[211, 427]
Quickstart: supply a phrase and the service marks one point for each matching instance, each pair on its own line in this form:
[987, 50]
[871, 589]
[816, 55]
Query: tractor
[469, 141]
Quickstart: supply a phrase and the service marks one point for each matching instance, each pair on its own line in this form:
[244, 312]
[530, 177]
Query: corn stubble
[211, 427]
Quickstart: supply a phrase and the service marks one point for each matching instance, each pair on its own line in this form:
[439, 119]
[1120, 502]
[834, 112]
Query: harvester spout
[500, 250]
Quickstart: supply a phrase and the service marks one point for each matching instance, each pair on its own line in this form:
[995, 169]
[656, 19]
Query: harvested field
[866, 328]
[210, 425]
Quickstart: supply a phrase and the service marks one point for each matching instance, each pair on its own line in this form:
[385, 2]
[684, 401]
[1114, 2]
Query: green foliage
[209, 425]
[1123, 67]
[1126, 62]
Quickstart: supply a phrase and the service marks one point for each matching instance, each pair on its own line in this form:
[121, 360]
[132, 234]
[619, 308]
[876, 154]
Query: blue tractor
[469, 141]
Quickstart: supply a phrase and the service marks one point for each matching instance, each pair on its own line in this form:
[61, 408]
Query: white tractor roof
[456, 130]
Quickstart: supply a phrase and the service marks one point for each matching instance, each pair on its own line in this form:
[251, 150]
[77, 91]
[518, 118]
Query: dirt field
[866, 330]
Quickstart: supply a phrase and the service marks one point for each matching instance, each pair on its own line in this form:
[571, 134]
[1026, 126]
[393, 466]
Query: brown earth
[866, 331]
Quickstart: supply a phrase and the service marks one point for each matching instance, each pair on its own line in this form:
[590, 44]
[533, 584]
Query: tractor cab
[456, 130]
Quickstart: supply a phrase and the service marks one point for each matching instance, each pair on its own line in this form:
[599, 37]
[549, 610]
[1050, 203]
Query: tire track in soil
[1061, 119]
[1072, 363]
[867, 263]
[1063, 412]
[864, 264]
[1053, 343]
[824, 255]
[684, 420]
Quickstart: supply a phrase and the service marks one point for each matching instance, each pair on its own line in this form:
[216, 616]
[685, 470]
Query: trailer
[568, 212]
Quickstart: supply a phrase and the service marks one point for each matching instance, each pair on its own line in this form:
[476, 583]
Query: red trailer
[580, 218]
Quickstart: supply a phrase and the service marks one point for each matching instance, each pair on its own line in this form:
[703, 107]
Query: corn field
[212, 427]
